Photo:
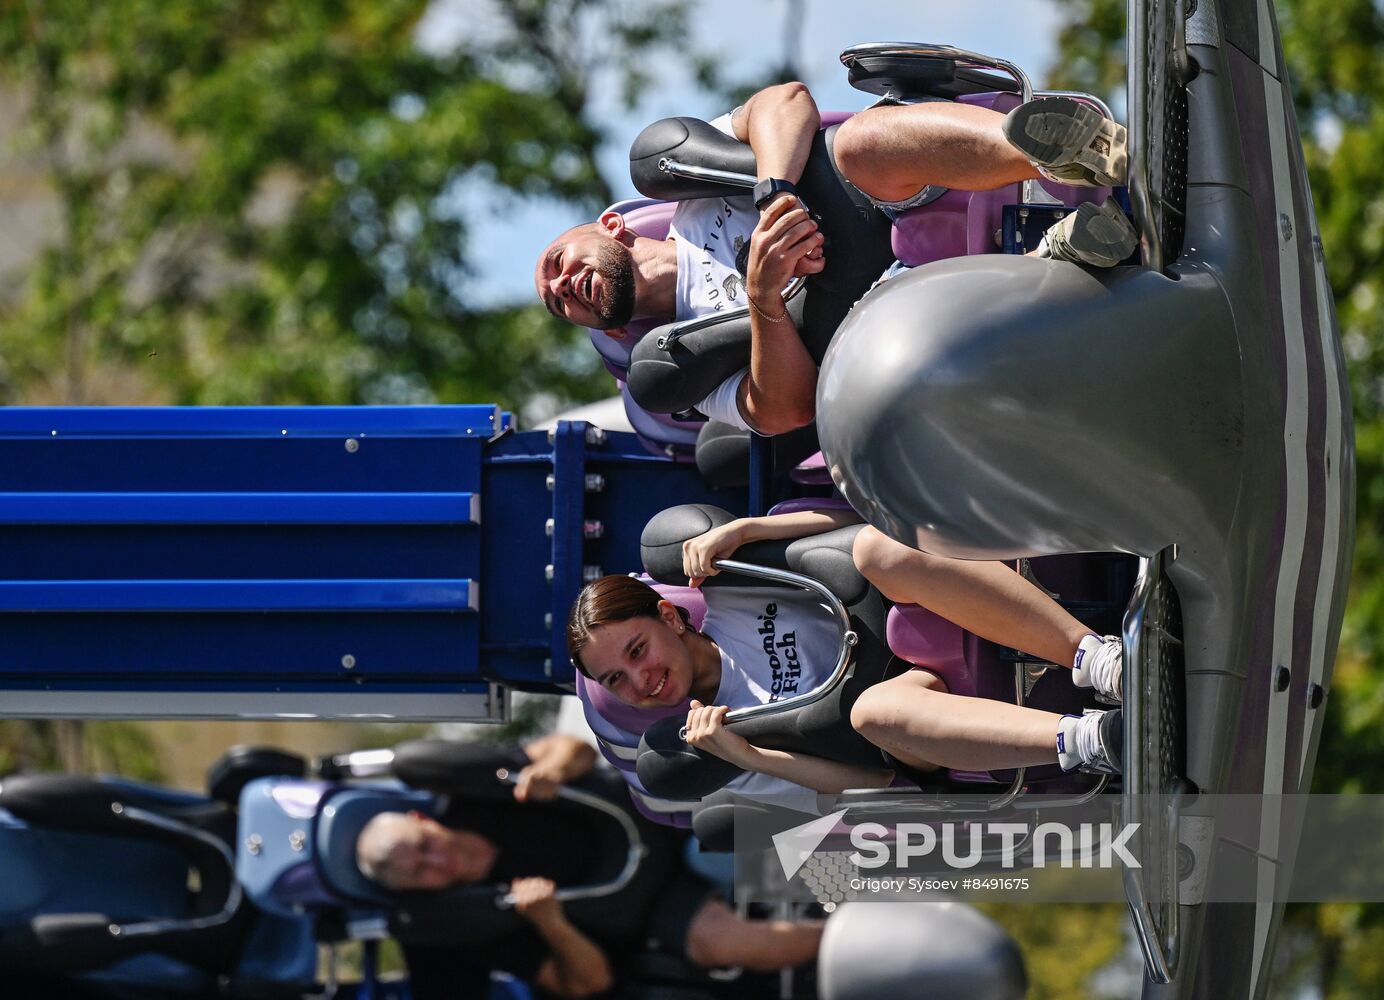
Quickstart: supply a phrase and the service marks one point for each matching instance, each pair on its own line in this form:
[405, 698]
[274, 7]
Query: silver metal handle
[843, 655]
[364, 763]
[677, 168]
[633, 856]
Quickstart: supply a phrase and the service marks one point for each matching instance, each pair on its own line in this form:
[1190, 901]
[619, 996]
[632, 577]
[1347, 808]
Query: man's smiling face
[586, 276]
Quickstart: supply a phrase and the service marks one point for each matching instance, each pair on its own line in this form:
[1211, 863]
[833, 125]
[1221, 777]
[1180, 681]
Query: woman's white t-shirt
[776, 643]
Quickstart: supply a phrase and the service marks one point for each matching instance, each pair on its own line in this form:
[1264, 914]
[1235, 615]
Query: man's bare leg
[894, 151]
[718, 937]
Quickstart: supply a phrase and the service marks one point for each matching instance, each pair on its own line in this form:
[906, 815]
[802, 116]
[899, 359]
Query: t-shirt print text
[721, 290]
[782, 653]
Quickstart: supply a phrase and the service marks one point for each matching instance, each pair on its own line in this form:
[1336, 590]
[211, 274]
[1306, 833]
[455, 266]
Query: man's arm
[779, 124]
[576, 966]
[778, 393]
[555, 759]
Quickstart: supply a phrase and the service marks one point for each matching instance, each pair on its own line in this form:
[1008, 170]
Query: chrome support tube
[677, 168]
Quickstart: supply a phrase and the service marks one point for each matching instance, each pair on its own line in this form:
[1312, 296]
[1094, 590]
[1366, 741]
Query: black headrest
[826, 557]
[449, 768]
[691, 141]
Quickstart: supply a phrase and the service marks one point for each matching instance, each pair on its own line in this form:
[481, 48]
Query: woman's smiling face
[644, 662]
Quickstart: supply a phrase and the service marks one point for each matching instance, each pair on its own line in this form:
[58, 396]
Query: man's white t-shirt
[776, 643]
[712, 237]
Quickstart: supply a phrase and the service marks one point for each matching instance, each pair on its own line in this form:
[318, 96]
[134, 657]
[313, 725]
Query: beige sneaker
[1070, 142]
[1097, 235]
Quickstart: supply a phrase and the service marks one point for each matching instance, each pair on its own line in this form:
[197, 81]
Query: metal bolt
[297, 840]
[284, 431]
[1316, 694]
[254, 843]
[1186, 862]
[1282, 678]
[547, 620]
[589, 573]
[595, 437]
[352, 445]
[548, 527]
[117, 808]
[595, 482]
[548, 572]
[999, 237]
[552, 435]
[548, 667]
[1285, 226]
[348, 661]
[114, 930]
[551, 482]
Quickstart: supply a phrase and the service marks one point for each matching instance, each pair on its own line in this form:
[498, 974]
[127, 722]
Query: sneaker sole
[1056, 132]
[1101, 236]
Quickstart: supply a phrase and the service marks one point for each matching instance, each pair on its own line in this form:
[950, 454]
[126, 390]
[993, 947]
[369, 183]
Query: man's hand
[554, 760]
[706, 731]
[534, 900]
[699, 553]
[786, 243]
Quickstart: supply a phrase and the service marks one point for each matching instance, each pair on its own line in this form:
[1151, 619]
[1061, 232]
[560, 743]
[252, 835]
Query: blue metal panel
[242, 560]
[604, 488]
[286, 562]
[251, 421]
[240, 508]
[236, 595]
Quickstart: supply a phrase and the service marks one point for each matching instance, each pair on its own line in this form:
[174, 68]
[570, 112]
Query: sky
[514, 231]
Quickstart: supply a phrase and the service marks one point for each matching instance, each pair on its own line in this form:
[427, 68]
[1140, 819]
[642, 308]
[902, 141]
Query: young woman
[760, 644]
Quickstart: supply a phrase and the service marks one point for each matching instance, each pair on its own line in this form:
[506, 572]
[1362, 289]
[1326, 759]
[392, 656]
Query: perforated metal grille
[1165, 737]
[1158, 106]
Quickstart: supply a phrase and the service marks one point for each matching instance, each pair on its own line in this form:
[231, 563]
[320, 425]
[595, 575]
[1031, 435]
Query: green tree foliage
[267, 203]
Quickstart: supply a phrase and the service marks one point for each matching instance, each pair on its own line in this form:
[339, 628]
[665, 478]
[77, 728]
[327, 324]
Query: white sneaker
[1093, 742]
[1070, 142]
[1099, 664]
[1096, 235]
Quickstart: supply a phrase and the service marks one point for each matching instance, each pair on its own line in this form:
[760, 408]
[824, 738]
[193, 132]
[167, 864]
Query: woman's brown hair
[610, 599]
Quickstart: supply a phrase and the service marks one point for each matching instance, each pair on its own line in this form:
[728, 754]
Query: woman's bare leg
[986, 598]
[914, 720]
[894, 151]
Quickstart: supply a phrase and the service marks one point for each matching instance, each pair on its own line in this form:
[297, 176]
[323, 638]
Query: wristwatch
[767, 189]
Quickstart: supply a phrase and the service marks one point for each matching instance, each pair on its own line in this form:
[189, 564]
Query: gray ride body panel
[918, 951]
[997, 407]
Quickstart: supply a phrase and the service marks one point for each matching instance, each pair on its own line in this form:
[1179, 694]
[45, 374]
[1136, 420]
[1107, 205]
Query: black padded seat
[667, 766]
